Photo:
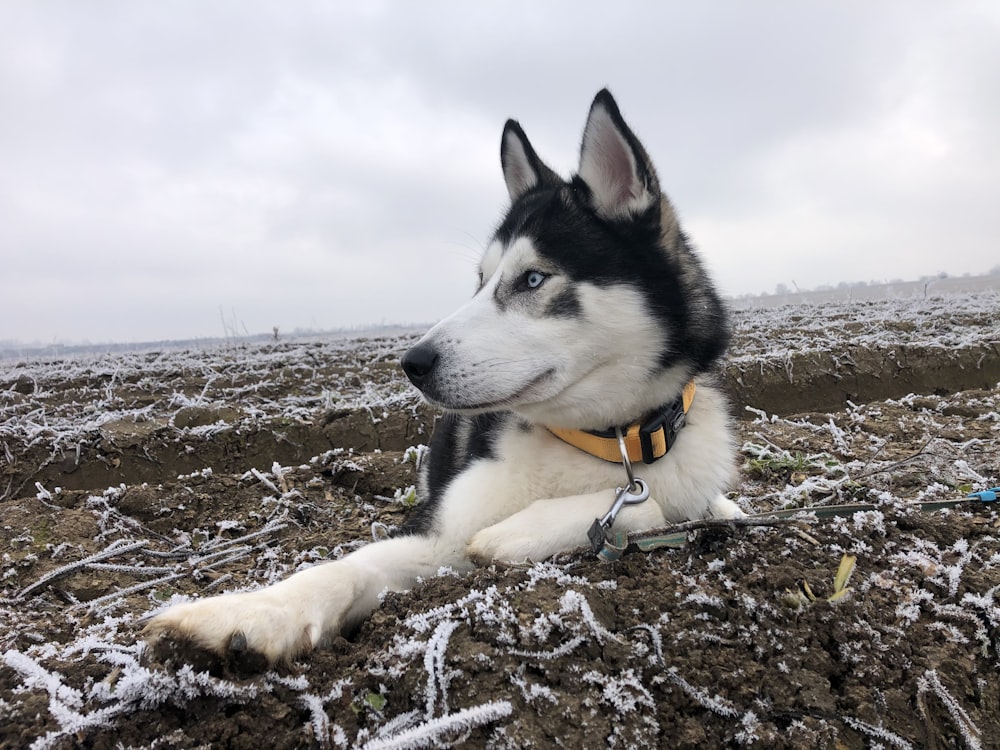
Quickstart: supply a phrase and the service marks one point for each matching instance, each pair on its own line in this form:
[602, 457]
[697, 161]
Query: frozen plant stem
[115, 548]
[432, 733]
[971, 734]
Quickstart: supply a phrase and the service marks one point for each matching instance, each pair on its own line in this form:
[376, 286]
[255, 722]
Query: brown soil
[730, 641]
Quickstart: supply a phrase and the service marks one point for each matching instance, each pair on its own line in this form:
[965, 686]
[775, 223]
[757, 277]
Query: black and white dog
[592, 313]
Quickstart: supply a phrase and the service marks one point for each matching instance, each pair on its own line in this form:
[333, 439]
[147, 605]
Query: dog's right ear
[522, 169]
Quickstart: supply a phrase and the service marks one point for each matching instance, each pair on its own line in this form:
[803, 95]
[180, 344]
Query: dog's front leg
[553, 525]
[292, 617]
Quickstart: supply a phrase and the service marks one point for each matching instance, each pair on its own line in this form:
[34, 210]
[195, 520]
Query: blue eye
[534, 279]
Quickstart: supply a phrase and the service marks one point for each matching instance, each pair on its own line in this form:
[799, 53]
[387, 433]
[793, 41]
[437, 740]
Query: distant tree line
[782, 289]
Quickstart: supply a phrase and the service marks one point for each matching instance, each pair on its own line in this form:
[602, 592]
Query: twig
[115, 548]
[874, 455]
[432, 732]
[718, 523]
[929, 681]
[122, 593]
[894, 464]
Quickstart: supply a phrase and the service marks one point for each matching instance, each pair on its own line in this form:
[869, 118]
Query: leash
[649, 442]
[615, 544]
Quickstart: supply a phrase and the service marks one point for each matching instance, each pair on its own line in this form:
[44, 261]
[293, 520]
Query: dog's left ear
[614, 165]
[522, 169]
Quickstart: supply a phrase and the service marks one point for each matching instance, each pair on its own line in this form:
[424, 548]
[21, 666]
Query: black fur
[458, 440]
[563, 227]
[566, 304]
[542, 174]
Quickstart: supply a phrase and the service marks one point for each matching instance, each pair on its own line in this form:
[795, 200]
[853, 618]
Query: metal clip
[635, 492]
[625, 496]
[634, 495]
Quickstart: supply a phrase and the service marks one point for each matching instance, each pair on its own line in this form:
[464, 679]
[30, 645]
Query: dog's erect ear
[613, 163]
[522, 169]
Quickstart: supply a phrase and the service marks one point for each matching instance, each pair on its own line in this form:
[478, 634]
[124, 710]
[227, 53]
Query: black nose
[419, 362]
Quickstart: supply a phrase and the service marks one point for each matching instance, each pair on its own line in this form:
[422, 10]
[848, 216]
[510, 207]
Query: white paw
[722, 507]
[548, 527]
[277, 623]
[257, 622]
[512, 541]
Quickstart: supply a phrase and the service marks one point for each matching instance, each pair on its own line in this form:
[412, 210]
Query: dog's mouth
[522, 395]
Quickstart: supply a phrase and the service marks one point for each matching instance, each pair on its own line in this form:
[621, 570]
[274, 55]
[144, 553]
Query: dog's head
[591, 308]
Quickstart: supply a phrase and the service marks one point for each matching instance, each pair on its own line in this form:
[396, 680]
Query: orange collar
[645, 441]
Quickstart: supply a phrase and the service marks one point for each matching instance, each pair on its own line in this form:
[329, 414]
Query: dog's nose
[419, 362]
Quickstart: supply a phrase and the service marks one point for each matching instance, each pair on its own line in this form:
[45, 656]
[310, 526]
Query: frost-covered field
[133, 480]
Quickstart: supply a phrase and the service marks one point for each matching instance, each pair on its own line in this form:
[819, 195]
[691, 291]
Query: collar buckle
[658, 434]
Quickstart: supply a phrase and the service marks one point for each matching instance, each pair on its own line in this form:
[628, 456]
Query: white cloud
[322, 164]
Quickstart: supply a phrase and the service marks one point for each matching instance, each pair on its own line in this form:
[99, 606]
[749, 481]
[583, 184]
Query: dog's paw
[254, 629]
[722, 507]
[507, 541]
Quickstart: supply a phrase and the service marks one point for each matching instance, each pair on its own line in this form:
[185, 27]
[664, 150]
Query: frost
[574, 602]
[323, 730]
[625, 693]
[558, 652]
[908, 609]
[714, 703]
[533, 691]
[36, 676]
[137, 687]
[703, 598]
[431, 733]
[119, 547]
[438, 678]
[879, 733]
[561, 641]
[545, 571]
[749, 725]
[967, 472]
[869, 519]
[986, 603]
[930, 682]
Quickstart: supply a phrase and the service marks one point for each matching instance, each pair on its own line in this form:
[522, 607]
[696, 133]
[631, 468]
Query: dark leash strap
[678, 536]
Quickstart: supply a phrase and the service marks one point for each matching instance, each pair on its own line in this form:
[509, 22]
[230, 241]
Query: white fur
[600, 361]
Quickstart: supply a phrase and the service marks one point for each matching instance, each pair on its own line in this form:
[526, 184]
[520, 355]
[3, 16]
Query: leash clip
[635, 492]
[625, 496]
[599, 530]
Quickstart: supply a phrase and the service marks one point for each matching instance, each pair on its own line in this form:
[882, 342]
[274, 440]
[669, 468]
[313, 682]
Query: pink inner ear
[619, 169]
[608, 166]
[517, 172]
[521, 177]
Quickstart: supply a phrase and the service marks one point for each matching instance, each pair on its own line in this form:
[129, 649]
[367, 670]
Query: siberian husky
[591, 313]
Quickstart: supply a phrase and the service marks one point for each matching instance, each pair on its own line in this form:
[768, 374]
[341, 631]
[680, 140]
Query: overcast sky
[326, 164]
